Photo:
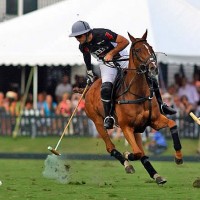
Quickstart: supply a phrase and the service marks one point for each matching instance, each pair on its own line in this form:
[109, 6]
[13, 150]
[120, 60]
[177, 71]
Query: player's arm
[122, 43]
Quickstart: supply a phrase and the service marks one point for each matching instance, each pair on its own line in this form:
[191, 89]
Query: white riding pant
[108, 74]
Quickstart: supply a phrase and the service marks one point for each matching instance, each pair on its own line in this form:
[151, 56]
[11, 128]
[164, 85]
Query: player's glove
[90, 77]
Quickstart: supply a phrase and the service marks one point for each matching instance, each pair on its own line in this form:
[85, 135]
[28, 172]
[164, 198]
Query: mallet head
[53, 151]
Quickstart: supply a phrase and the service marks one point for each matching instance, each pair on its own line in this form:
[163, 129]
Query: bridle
[141, 67]
[144, 64]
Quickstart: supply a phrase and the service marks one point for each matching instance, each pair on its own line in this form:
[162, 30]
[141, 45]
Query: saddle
[119, 80]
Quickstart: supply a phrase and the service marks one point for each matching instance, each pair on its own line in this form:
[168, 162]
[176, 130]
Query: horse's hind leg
[110, 147]
[145, 162]
[177, 145]
[151, 171]
[163, 122]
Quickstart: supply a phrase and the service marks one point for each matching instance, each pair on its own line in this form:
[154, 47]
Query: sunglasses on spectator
[79, 36]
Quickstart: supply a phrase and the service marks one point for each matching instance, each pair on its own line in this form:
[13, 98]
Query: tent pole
[20, 7]
[23, 70]
[18, 120]
[35, 86]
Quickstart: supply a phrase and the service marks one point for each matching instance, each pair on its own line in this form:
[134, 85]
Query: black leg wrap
[131, 157]
[175, 137]
[118, 156]
[147, 165]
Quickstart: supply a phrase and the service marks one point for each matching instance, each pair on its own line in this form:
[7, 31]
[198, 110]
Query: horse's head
[142, 55]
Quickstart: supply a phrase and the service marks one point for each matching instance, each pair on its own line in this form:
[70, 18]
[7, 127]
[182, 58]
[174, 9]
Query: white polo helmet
[79, 28]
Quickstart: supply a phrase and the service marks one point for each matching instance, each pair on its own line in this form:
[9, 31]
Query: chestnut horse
[135, 108]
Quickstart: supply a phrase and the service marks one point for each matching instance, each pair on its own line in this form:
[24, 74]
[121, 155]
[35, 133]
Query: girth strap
[140, 100]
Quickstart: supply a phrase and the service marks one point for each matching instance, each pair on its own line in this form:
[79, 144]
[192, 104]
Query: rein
[142, 69]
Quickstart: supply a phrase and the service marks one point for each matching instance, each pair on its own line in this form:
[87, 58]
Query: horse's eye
[137, 50]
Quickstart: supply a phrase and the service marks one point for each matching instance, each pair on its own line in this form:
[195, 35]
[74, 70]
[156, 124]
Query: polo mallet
[54, 150]
[195, 118]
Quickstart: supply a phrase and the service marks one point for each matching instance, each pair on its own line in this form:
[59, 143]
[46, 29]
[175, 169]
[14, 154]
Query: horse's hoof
[160, 180]
[129, 169]
[178, 158]
[178, 161]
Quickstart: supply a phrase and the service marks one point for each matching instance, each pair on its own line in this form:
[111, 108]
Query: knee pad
[106, 90]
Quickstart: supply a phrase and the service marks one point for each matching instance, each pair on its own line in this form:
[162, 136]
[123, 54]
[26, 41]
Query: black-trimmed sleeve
[86, 57]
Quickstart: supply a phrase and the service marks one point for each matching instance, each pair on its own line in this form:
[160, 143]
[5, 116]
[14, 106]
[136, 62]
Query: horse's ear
[144, 37]
[131, 37]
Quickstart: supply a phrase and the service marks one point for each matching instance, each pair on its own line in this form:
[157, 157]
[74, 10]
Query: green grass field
[23, 180]
[107, 180]
[79, 145]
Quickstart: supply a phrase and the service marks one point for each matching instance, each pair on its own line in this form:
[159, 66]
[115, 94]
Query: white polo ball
[1, 183]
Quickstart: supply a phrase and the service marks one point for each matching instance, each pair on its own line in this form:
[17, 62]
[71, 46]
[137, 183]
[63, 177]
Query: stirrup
[109, 121]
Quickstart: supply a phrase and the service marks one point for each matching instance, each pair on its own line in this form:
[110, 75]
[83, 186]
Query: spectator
[48, 111]
[172, 90]
[157, 144]
[12, 102]
[187, 108]
[2, 100]
[75, 99]
[188, 90]
[2, 114]
[65, 105]
[49, 107]
[198, 90]
[63, 87]
[178, 105]
[64, 109]
[40, 101]
[80, 81]
[80, 124]
[28, 120]
[167, 98]
[188, 126]
[196, 78]
[177, 81]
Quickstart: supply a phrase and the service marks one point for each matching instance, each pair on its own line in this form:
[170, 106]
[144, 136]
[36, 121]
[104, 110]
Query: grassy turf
[79, 145]
[23, 180]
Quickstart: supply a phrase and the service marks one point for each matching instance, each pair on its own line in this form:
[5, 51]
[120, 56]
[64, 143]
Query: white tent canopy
[41, 37]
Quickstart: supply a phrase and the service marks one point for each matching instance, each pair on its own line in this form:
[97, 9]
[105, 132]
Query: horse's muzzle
[153, 70]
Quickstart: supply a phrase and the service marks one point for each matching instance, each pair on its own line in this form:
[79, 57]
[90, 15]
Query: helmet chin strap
[86, 38]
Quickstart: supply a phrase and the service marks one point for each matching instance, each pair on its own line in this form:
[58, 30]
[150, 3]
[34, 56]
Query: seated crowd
[183, 95]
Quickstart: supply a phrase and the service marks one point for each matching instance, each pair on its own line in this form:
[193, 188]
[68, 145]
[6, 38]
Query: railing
[33, 125]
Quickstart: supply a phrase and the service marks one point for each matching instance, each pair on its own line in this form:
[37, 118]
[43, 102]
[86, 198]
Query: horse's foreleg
[130, 137]
[110, 147]
[106, 138]
[130, 156]
[128, 168]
